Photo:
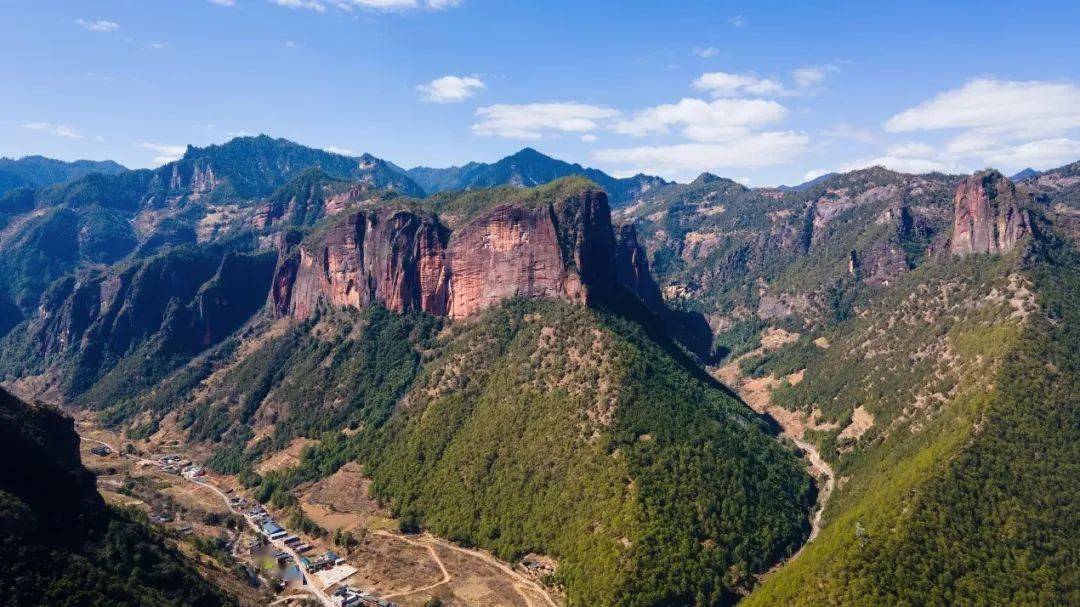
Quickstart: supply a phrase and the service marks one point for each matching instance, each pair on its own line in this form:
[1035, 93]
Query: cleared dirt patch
[286, 458]
[861, 421]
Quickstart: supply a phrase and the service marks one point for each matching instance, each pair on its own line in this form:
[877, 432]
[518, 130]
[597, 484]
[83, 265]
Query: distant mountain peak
[705, 177]
[1027, 173]
[526, 168]
[530, 151]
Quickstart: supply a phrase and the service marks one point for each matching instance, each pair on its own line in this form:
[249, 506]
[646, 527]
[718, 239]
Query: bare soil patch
[286, 458]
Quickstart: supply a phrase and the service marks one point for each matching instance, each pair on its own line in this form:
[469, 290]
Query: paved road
[312, 583]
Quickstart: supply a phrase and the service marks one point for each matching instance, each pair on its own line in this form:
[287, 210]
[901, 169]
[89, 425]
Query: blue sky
[764, 92]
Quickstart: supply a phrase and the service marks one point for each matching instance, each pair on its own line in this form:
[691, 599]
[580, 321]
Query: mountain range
[38, 171]
[529, 168]
[683, 394]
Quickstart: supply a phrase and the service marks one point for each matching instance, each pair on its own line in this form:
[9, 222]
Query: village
[248, 547]
[287, 562]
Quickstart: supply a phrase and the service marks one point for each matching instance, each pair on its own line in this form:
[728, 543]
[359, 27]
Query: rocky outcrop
[183, 301]
[632, 267]
[988, 216]
[312, 196]
[407, 260]
[509, 252]
[394, 257]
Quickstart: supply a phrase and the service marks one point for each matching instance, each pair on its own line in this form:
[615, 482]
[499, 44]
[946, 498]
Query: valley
[316, 382]
[380, 563]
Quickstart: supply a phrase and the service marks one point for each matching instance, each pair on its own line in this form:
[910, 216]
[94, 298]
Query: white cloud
[909, 157]
[813, 174]
[533, 120]
[688, 159]
[157, 45]
[996, 105]
[809, 76]
[846, 131]
[903, 165]
[343, 151]
[165, 153]
[377, 5]
[59, 130]
[737, 21]
[706, 52]
[311, 5]
[102, 25]
[1010, 124]
[240, 133]
[1044, 153]
[718, 120]
[588, 138]
[223, 2]
[291, 44]
[723, 84]
[450, 89]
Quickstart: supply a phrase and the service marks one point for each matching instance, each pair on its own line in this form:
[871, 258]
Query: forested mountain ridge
[38, 171]
[211, 194]
[535, 298]
[931, 406]
[529, 168]
[914, 329]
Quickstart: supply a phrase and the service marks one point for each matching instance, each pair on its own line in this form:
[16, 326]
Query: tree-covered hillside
[965, 490]
[38, 171]
[539, 426]
[60, 544]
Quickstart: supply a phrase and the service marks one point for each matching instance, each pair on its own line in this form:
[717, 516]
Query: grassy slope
[978, 505]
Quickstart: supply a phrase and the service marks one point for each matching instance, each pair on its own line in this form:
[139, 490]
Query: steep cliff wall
[509, 252]
[182, 301]
[407, 260]
[395, 257]
[988, 216]
[632, 267]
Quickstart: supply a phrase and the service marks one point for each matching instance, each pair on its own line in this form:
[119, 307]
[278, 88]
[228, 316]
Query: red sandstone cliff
[407, 260]
[395, 257]
[988, 216]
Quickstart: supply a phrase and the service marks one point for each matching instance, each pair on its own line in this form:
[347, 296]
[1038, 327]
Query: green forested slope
[576, 435]
[978, 505]
[539, 426]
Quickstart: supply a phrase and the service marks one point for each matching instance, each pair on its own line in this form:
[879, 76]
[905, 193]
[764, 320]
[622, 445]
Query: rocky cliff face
[183, 301]
[632, 267]
[988, 216]
[509, 252]
[394, 257]
[407, 260]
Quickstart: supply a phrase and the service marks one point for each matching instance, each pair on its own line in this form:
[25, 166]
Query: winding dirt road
[434, 556]
[824, 491]
[430, 541]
